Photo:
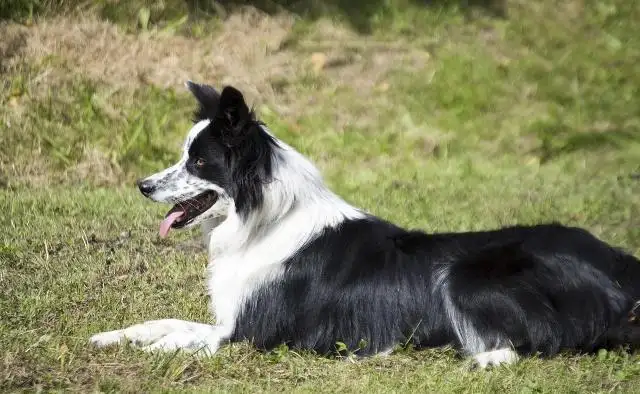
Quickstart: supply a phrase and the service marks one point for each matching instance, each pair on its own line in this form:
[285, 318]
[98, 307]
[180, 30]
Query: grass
[443, 118]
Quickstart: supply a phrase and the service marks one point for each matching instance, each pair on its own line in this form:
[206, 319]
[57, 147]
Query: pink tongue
[165, 226]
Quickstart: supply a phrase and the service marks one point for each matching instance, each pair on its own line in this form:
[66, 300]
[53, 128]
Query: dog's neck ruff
[296, 204]
[247, 252]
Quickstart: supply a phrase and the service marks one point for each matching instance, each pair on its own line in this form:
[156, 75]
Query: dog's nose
[145, 187]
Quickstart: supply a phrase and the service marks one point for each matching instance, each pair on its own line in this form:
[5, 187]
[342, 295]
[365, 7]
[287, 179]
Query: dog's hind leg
[494, 308]
[496, 357]
[167, 335]
[486, 347]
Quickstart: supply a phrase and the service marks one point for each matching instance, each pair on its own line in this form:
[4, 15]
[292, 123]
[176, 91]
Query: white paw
[496, 357]
[385, 353]
[203, 344]
[107, 338]
[166, 334]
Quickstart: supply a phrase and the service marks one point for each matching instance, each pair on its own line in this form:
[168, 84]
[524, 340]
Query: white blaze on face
[175, 184]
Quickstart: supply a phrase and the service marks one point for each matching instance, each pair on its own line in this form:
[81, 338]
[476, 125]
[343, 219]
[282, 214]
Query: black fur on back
[372, 285]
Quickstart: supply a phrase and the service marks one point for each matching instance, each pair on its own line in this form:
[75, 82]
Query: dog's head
[227, 156]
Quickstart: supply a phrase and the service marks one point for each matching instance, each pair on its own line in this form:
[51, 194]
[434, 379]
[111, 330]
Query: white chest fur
[241, 259]
[247, 253]
[231, 279]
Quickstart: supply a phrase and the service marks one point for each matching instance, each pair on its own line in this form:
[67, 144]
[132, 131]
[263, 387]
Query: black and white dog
[292, 263]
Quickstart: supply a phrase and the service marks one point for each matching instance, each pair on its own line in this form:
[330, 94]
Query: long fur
[292, 263]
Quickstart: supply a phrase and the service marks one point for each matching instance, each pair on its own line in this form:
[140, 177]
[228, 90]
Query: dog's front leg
[167, 335]
[203, 342]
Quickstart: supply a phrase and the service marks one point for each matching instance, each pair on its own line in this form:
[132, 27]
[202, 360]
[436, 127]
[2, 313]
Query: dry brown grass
[103, 52]
[249, 50]
[95, 167]
[295, 72]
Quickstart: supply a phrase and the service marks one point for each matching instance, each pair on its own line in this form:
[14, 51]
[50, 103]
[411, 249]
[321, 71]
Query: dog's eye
[199, 162]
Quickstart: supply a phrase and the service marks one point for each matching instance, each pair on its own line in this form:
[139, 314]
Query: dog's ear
[233, 112]
[208, 99]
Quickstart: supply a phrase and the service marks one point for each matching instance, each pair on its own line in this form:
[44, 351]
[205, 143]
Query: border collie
[292, 263]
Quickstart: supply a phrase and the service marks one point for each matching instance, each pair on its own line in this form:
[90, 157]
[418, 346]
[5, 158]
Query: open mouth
[186, 211]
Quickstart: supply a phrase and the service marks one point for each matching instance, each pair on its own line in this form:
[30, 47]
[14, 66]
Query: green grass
[523, 119]
[81, 261]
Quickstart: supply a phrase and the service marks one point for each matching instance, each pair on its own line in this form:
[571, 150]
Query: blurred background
[443, 115]
[96, 87]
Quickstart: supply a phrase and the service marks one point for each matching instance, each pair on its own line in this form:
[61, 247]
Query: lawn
[450, 116]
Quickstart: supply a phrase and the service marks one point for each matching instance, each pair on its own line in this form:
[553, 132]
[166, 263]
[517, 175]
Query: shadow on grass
[359, 13]
[561, 139]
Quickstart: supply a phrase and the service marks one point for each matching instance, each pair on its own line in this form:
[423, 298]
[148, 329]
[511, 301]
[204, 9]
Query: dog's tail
[627, 333]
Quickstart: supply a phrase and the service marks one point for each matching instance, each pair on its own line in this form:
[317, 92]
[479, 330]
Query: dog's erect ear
[207, 97]
[232, 111]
